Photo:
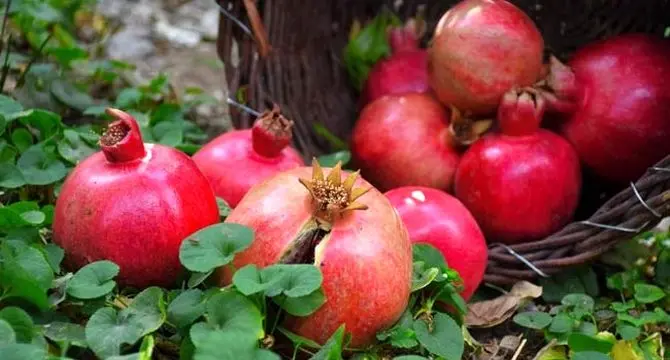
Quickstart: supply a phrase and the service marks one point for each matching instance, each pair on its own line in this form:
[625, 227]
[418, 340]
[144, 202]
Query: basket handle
[258, 28]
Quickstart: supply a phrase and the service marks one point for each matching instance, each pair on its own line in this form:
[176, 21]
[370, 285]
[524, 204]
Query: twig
[5, 67]
[34, 58]
[518, 350]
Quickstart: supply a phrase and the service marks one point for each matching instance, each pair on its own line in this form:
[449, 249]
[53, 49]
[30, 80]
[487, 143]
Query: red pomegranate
[405, 71]
[345, 227]
[439, 219]
[409, 139]
[240, 159]
[133, 204]
[481, 49]
[615, 97]
[521, 184]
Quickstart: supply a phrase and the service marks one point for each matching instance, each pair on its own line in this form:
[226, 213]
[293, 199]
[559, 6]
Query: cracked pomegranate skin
[366, 259]
[402, 140]
[439, 219]
[481, 49]
[519, 188]
[135, 213]
[233, 167]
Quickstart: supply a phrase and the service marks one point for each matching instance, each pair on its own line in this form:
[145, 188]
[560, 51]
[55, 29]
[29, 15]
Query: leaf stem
[5, 67]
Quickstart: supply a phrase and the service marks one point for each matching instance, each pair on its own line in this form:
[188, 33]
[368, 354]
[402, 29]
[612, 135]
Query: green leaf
[34, 263]
[590, 355]
[248, 280]
[646, 293]
[628, 332]
[331, 160]
[9, 108]
[561, 324]
[580, 304]
[66, 55]
[48, 123]
[214, 246]
[146, 351]
[15, 282]
[293, 280]
[302, 305]
[93, 280]
[128, 97]
[429, 255]
[73, 148]
[297, 339]
[198, 278]
[186, 308]
[332, 349]
[22, 139]
[581, 342]
[21, 323]
[423, 277]
[96, 110]
[216, 344]
[54, 255]
[65, 333]
[22, 352]
[410, 357]
[38, 168]
[533, 319]
[224, 208]
[70, 95]
[7, 334]
[106, 330]
[445, 339]
[231, 311]
[581, 280]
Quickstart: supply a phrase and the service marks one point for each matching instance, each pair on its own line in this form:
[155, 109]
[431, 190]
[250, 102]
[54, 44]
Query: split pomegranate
[349, 230]
[439, 219]
[240, 159]
[133, 204]
[481, 49]
[408, 139]
[614, 94]
[521, 184]
[404, 71]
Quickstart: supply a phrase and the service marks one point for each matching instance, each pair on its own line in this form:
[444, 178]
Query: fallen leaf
[552, 352]
[489, 313]
[623, 350]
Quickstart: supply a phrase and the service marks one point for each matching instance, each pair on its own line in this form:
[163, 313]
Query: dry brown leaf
[489, 313]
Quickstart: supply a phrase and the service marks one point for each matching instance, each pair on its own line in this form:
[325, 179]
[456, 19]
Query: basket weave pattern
[301, 71]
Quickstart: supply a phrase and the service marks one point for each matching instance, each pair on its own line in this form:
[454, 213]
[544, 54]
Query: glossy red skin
[233, 167]
[133, 213]
[402, 140]
[439, 219]
[403, 72]
[366, 260]
[622, 125]
[481, 49]
[519, 188]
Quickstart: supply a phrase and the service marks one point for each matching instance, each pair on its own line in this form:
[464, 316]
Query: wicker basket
[289, 53]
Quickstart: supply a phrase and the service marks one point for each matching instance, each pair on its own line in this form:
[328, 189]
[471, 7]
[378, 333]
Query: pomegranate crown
[332, 195]
[271, 132]
[122, 140]
[521, 111]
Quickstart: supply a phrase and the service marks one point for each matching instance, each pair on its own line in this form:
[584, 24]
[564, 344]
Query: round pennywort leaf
[93, 280]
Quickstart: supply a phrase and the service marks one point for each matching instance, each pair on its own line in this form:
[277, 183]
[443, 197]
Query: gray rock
[130, 43]
[177, 36]
[199, 15]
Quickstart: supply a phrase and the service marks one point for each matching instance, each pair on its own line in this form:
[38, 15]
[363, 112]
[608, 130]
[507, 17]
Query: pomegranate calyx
[521, 111]
[463, 130]
[331, 195]
[122, 140]
[406, 38]
[271, 133]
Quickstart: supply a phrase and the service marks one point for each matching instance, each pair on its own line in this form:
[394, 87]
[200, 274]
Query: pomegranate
[439, 219]
[404, 71]
[240, 159]
[521, 184]
[132, 203]
[349, 230]
[480, 50]
[408, 139]
[614, 95]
